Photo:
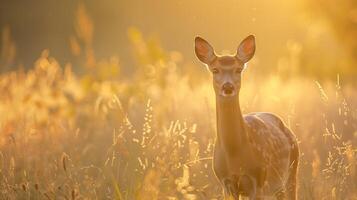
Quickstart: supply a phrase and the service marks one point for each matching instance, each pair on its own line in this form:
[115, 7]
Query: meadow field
[103, 134]
[98, 127]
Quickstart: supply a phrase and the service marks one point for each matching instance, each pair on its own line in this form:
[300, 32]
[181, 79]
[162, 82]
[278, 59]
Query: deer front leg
[281, 195]
[260, 194]
[230, 189]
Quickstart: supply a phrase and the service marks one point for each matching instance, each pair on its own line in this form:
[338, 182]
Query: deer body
[255, 155]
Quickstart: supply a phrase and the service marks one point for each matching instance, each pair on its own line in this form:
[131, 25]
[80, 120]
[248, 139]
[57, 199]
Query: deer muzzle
[228, 89]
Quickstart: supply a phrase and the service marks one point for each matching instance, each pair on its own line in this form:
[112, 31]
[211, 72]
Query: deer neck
[231, 133]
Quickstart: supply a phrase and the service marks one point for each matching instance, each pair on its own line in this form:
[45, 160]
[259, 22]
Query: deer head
[226, 70]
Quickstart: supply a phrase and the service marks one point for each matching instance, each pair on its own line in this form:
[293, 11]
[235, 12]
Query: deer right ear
[204, 51]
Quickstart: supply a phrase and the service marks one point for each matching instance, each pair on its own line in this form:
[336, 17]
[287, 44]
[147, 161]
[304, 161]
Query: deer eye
[215, 71]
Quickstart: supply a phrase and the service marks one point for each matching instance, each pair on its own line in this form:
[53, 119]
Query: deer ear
[204, 51]
[246, 49]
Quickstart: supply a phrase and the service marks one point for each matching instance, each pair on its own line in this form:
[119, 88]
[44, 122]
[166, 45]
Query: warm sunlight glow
[107, 100]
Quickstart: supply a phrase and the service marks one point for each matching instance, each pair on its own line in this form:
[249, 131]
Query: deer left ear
[246, 49]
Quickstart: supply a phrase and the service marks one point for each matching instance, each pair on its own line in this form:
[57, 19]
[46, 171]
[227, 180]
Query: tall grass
[106, 135]
[151, 136]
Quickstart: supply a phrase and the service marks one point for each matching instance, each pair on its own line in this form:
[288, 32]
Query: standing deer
[255, 155]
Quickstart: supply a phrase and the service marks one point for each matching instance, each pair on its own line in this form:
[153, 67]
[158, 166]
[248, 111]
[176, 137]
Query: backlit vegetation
[102, 134]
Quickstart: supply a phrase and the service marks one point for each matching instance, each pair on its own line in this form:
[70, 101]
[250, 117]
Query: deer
[255, 155]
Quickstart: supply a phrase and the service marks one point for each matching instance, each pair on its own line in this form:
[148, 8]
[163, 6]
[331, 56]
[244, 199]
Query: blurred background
[106, 100]
[320, 34]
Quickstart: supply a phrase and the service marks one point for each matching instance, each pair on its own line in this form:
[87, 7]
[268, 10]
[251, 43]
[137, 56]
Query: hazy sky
[41, 24]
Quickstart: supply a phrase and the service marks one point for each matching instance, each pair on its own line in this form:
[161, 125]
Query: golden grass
[151, 135]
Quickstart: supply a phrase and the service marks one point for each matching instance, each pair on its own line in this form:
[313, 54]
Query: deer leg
[259, 195]
[291, 185]
[228, 195]
[291, 190]
[230, 189]
[281, 195]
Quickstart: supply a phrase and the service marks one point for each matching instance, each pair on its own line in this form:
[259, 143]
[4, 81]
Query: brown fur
[226, 60]
[255, 155]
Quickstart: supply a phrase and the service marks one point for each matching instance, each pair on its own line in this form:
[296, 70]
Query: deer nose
[228, 88]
